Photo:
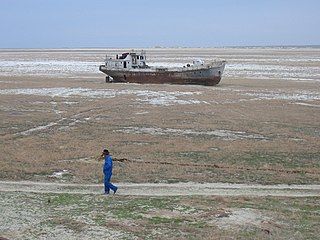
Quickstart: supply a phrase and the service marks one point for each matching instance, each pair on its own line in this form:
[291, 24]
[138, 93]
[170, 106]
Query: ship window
[141, 57]
[137, 57]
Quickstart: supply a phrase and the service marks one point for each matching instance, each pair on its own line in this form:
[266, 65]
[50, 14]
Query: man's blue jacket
[107, 167]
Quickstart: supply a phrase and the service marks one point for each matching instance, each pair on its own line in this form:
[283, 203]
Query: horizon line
[168, 47]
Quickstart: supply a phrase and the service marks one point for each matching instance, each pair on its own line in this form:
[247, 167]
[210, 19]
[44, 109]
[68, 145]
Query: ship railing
[184, 68]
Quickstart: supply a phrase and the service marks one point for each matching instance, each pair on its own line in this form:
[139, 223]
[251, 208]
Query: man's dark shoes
[115, 191]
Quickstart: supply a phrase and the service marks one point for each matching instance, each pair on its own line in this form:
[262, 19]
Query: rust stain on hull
[207, 77]
[131, 67]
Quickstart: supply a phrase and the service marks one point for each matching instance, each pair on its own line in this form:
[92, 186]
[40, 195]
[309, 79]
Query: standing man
[107, 171]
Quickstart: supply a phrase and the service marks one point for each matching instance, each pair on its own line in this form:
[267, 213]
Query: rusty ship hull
[208, 75]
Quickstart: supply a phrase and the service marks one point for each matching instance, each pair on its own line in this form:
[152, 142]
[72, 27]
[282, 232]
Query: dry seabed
[258, 130]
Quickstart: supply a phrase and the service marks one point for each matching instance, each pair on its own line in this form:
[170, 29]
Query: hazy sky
[148, 23]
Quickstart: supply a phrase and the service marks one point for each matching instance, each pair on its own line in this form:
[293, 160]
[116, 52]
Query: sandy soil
[173, 189]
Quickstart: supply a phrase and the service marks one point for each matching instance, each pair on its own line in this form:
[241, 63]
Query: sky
[149, 23]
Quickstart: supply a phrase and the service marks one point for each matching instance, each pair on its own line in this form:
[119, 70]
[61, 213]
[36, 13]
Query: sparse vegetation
[274, 127]
[185, 217]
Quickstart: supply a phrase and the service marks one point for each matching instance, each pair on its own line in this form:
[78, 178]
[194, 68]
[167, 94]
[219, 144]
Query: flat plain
[260, 125]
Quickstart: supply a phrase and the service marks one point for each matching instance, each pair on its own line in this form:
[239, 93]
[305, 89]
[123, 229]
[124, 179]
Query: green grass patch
[165, 220]
[66, 199]
[66, 222]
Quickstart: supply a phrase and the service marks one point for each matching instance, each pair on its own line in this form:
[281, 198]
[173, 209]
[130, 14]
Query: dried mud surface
[202, 161]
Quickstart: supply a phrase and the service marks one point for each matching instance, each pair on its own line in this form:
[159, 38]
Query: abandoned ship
[131, 67]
